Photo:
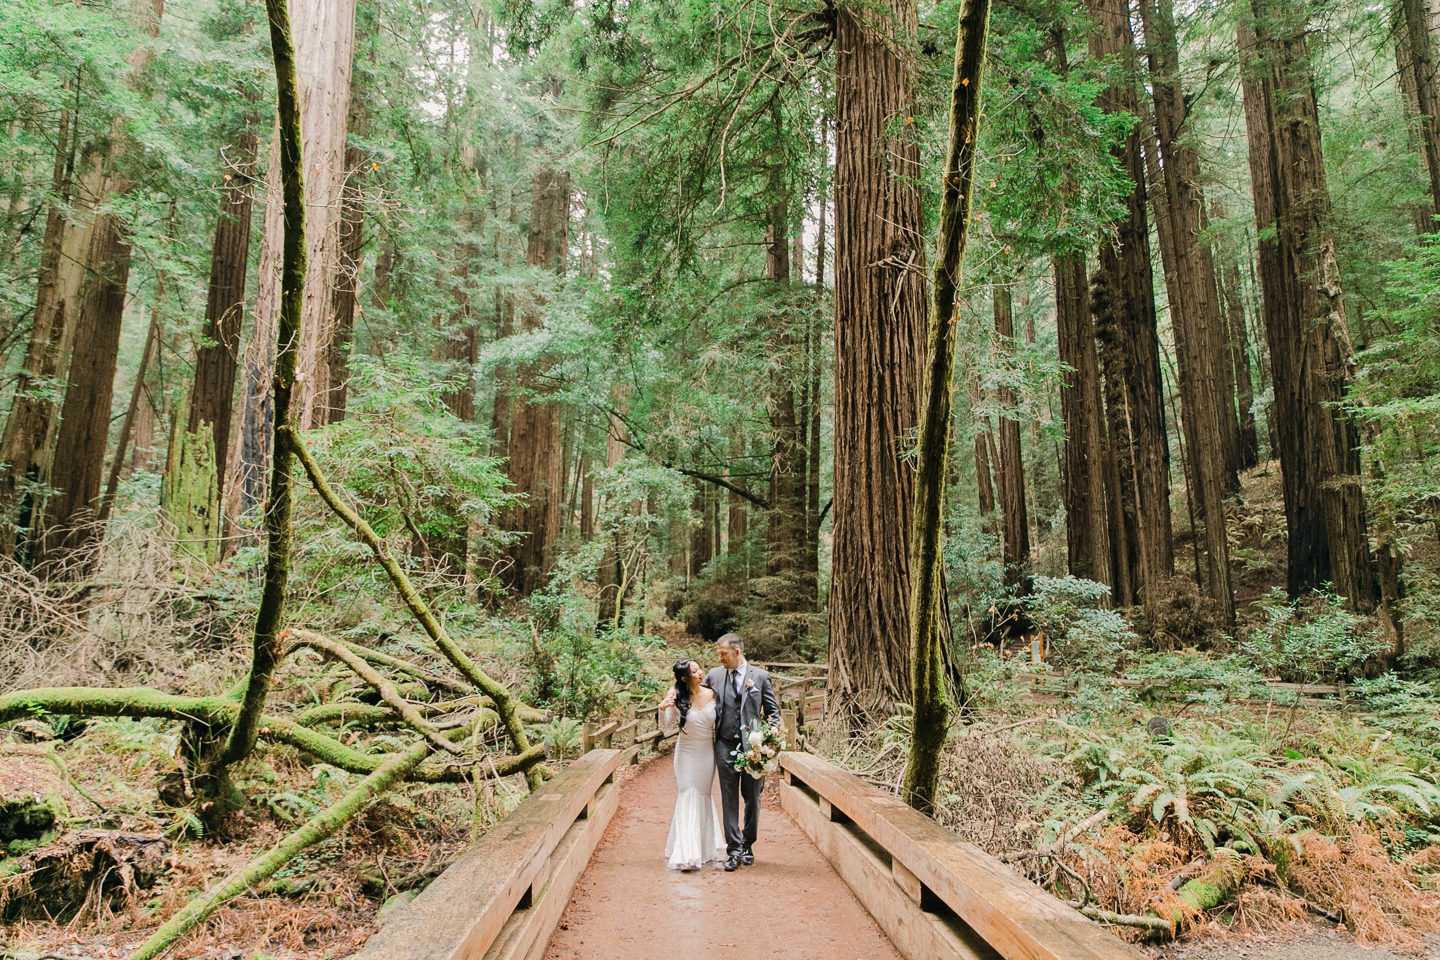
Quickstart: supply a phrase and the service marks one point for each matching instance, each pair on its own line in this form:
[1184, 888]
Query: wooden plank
[527, 933]
[916, 933]
[459, 915]
[1017, 918]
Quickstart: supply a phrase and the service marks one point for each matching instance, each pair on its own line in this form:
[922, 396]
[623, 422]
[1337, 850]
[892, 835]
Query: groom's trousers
[733, 787]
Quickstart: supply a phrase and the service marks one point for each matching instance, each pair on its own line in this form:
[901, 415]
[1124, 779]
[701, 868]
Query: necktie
[735, 682]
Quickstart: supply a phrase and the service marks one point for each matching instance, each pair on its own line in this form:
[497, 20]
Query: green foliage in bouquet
[759, 750]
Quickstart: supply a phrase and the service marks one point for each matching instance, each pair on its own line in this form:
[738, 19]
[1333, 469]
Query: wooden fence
[934, 896]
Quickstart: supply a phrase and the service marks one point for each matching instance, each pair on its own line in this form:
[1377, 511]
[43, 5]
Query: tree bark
[1015, 522]
[85, 418]
[879, 350]
[1310, 353]
[1194, 311]
[28, 444]
[1416, 60]
[1087, 529]
[345, 296]
[534, 448]
[1118, 461]
[928, 614]
[325, 45]
[1125, 272]
[217, 358]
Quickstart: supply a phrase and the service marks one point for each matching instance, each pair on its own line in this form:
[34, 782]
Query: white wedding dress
[696, 837]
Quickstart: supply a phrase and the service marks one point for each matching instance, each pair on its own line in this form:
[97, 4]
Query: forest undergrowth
[1162, 776]
[101, 839]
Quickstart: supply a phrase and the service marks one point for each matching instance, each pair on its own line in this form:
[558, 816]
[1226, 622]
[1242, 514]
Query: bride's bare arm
[668, 716]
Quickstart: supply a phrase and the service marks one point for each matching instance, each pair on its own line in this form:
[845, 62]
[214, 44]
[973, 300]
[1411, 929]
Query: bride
[695, 834]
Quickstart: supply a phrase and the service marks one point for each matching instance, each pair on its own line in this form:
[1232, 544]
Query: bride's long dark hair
[682, 689]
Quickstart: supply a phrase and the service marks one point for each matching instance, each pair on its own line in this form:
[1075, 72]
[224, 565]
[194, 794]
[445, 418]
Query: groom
[743, 694]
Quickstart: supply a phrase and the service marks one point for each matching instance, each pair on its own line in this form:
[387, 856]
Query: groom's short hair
[733, 640]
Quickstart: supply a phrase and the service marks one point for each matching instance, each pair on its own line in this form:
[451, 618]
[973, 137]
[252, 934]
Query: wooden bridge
[844, 870]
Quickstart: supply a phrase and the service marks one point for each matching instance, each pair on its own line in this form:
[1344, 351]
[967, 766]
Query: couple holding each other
[711, 712]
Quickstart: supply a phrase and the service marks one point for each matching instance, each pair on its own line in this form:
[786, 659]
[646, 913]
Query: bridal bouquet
[759, 750]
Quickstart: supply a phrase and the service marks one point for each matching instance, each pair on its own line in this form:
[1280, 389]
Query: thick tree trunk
[1310, 352]
[534, 448]
[1087, 529]
[217, 358]
[250, 445]
[1130, 330]
[1015, 522]
[345, 297]
[880, 308]
[324, 45]
[1118, 462]
[1194, 311]
[1416, 60]
[85, 419]
[28, 444]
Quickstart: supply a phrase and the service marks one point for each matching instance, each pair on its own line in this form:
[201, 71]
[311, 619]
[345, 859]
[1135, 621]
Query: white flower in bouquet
[756, 738]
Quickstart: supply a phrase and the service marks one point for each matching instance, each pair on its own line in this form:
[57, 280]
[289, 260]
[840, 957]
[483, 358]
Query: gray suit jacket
[757, 700]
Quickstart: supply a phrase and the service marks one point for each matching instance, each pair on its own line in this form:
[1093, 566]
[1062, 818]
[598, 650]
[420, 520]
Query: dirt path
[630, 906]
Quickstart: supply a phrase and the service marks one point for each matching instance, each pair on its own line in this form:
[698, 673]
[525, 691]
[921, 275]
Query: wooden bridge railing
[935, 896]
[502, 899]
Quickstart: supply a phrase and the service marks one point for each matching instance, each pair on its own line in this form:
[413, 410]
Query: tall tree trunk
[879, 349]
[535, 465]
[738, 521]
[1194, 311]
[27, 446]
[1310, 352]
[345, 296]
[812, 488]
[785, 521]
[1087, 528]
[324, 46]
[1015, 522]
[460, 346]
[609, 579]
[245, 477]
[85, 419]
[984, 483]
[1118, 462]
[1125, 272]
[1416, 60]
[928, 614]
[217, 358]
[1238, 343]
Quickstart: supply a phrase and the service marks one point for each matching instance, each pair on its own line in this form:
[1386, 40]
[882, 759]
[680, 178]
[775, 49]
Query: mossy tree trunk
[927, 585]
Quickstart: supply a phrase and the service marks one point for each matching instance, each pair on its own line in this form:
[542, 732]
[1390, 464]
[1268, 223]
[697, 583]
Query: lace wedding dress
[696, 837]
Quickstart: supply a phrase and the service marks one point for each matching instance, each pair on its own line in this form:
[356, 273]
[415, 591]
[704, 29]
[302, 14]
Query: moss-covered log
[505, 703]
[322, 825]
[139, 702]
[382, 686]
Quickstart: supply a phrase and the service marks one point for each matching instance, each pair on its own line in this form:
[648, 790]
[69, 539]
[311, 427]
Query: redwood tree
[1127, 328]
[534, 435]
[879, 348]
[1310, 351]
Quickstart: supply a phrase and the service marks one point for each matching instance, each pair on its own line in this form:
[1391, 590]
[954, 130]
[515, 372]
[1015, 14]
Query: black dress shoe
[747, 858]
[733, 863]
